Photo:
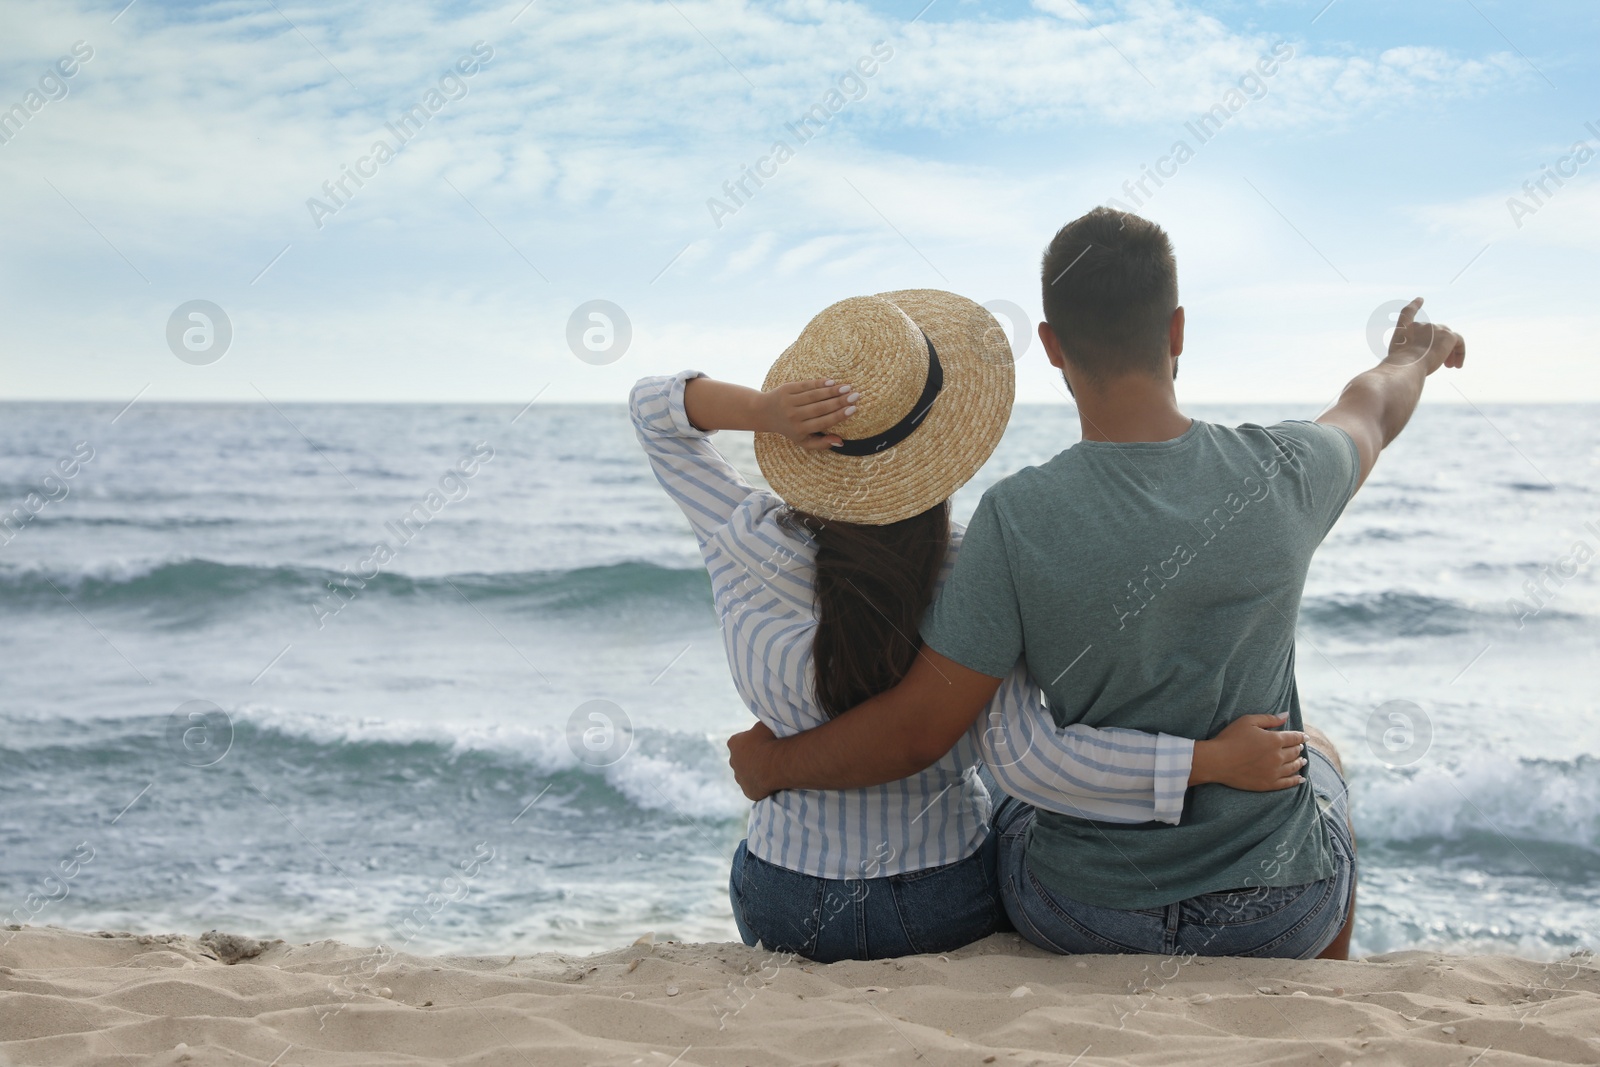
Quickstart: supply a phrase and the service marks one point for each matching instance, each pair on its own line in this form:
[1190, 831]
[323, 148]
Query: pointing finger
[1408, 314]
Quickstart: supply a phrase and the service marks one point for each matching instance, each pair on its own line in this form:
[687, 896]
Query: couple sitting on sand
[1110, 642]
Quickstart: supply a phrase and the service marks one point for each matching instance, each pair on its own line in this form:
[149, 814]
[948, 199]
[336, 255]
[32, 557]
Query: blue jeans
[1289, 922]
[827, 919]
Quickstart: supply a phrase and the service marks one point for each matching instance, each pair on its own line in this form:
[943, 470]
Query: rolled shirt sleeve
[1106, 774]
[705, 486]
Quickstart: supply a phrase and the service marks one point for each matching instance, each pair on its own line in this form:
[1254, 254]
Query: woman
[867, 424]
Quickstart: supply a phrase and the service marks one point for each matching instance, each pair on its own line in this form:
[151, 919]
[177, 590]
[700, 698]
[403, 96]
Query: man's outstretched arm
[894, 735]
[1378, 403]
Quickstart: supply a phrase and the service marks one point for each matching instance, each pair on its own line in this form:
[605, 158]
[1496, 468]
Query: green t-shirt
[1155, 586]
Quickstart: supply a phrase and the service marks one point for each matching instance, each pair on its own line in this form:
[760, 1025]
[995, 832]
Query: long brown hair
[873, 584]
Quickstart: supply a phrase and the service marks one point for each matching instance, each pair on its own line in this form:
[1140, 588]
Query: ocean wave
[193, 589]
[664, 772]
[1393, 613]
[1389, 534]
[192, 582]
[1556, 802]
[157, 523]
[1463, 800]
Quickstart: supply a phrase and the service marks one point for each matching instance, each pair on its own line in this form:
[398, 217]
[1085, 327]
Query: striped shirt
[762, 574]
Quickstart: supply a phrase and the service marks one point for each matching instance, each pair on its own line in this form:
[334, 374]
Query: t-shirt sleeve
[976, 620]
[1326, 460]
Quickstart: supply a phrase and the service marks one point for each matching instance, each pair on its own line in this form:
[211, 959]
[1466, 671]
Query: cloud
[1556, 203]
[1566, 217]
[579, 161]
[238, 114]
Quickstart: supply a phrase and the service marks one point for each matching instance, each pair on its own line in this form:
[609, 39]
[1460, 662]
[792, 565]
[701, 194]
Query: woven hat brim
[959, 435]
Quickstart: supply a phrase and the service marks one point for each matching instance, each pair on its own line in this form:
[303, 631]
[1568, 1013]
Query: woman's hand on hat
[803, 411]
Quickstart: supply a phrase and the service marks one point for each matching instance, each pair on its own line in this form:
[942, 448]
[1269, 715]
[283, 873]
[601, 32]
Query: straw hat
[907, 352]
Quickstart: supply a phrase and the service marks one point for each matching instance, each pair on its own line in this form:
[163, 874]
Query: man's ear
[1175, 332]
[1055, 354]
[1052, 346]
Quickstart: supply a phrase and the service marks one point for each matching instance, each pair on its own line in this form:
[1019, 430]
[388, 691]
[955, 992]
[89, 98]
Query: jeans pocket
[1095, 929]
[783, 908]
[1274, 921]
[1236, 907]
[1018, 913]
[946, 907]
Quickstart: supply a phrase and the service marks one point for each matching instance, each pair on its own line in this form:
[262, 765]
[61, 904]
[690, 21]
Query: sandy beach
[71, 997]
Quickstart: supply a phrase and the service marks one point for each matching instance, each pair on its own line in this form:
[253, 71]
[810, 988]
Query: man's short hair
[1110, 288]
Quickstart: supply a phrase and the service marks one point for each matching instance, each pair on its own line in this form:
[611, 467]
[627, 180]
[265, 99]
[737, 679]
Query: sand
[69, 997]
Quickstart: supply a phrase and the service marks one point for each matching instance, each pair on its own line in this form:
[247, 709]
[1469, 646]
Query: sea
[448, 677]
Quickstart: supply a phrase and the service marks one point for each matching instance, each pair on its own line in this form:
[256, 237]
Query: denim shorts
[827, 919]
[1289, 922]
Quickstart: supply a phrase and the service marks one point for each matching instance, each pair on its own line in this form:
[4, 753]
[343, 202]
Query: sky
[538, 157]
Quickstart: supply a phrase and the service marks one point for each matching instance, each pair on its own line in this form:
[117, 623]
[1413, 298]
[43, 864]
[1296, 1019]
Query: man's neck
[1132, 408]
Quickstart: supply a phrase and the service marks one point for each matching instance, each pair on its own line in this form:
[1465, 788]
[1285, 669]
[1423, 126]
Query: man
[1150, 577]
